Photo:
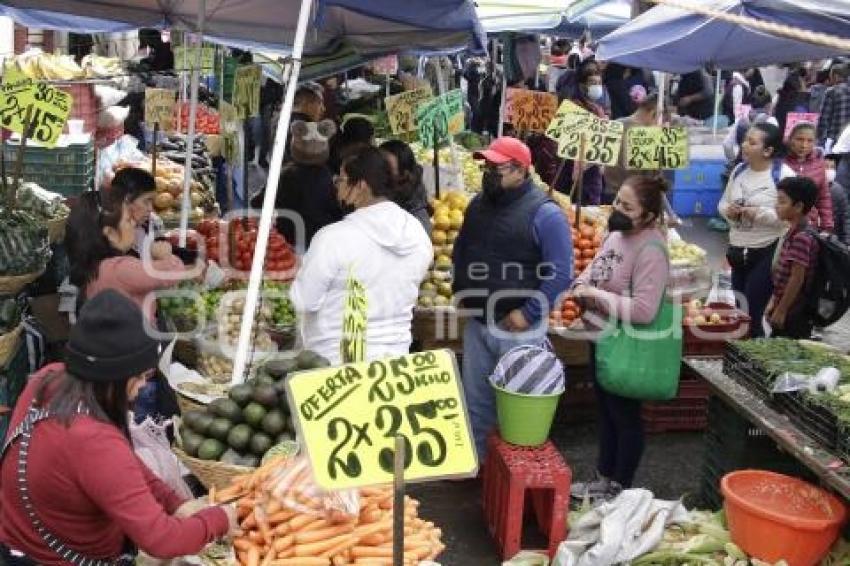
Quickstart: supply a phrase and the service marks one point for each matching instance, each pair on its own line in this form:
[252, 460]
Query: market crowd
[365, 212]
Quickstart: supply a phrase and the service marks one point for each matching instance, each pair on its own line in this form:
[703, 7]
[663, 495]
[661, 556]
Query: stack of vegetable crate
[68, 170]
[732, 444]
[687, 412]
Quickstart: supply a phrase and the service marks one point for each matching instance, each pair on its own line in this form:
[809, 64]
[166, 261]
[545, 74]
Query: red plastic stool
[513, 472]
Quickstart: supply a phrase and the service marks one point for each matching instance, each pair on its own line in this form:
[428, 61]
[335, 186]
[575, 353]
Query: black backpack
[829, 296]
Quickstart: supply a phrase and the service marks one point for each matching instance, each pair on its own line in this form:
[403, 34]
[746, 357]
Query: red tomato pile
[211, 231]
[206, 120]
[279, 255]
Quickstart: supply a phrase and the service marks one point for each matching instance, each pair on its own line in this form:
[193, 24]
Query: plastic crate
[748, 373]
[701, 174]
[687, 412]
[710, 340]
[68, 171]
[696, 202]
[813, 420]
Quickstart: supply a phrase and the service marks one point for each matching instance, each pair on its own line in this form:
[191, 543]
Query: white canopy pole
[662, 89]
[242, 350]
[716, 103]
[190, 136]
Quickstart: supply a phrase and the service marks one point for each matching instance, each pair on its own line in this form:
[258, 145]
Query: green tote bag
[642, 361]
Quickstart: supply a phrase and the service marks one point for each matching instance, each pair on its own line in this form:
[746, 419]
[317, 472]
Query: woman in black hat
[71, 489]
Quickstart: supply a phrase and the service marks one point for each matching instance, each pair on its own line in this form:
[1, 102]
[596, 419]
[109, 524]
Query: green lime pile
[255, 416]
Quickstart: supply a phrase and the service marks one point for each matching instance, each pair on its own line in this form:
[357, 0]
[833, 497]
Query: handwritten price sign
[349, 416]
[385, 65]
[159, 107]
[795, 118]
[46, 107]
[229, 117]
[602, 138]
[529, 110]
[657, 148]
[246, 92]
[185, 59]
[401, 109]
[440, 118]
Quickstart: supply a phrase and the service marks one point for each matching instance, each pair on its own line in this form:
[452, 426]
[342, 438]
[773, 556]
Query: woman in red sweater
[71, 488]
[807, 161]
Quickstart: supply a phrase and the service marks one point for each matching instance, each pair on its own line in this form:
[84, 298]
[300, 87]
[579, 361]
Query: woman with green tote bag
[623, 291]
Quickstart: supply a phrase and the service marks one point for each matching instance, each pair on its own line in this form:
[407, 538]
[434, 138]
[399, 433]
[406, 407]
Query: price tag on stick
[603, 137]
[440, 118]
[159, 107]
[46, 107]
[185, 59]
[530, 111]
[657, 147]
[401, 109]
[348, 418]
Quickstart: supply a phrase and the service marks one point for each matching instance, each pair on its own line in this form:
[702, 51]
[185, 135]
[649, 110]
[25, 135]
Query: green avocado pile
[240, 428]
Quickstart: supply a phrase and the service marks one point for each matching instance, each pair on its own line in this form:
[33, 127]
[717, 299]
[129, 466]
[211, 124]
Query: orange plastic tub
[774, 517]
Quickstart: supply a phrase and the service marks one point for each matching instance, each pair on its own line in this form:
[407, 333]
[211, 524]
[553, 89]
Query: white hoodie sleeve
[315, 274]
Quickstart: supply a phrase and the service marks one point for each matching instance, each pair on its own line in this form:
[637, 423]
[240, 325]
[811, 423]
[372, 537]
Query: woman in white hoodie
[385, 248]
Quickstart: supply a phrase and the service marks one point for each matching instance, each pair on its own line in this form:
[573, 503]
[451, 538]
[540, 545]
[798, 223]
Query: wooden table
[831, 470]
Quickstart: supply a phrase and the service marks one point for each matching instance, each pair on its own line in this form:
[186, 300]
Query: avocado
[190, 418]
[274, 423]
[231, 456]
[202, 423]
[280, 388]
[279, 369]
[260, 443]
[249, 460]
[307, 360]
[254, 414]
[284, 405]
[191, 441]
[266, 395]
[219, 429]
[210, 449]
[241, 394]
[264, 381]
[240, 436]
[227, 409]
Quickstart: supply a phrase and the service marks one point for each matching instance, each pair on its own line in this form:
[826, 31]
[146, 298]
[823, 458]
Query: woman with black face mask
[625, 281]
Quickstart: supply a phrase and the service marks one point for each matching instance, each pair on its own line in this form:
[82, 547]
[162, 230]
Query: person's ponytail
[85, 242]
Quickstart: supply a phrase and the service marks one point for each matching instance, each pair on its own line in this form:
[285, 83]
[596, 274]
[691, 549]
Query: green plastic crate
[68, 171]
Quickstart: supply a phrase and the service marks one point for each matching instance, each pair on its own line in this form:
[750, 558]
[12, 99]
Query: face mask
[595, 92]
[619, 222]
[491, 185]
[830, 175]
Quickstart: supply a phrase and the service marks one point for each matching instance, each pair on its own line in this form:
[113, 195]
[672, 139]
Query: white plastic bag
[151, 446]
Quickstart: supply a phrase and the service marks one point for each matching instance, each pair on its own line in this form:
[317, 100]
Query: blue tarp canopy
[371, 27]
[678, 41]
[552, 16]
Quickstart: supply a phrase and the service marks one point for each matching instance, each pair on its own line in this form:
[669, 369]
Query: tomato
[247, 257]
[287, 263]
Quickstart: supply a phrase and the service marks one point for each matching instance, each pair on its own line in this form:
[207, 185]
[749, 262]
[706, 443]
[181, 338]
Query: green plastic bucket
[525, 420]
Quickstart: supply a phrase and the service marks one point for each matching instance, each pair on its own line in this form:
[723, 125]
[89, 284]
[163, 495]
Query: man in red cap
[512, 258]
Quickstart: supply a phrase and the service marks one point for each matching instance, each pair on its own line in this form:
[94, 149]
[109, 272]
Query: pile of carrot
[315, 531]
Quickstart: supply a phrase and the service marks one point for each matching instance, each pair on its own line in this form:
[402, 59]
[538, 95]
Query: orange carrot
[305, 537]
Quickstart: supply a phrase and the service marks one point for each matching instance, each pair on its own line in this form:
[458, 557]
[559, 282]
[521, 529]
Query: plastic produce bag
[151, 446]
[528, 558]
[293, 485]
[530, 370]
[824, 381]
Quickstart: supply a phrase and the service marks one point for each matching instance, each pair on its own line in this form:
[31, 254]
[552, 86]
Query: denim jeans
[482, 350]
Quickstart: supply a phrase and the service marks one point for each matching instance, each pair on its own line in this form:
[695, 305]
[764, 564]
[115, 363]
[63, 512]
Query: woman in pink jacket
[626, 281]
[807, 161]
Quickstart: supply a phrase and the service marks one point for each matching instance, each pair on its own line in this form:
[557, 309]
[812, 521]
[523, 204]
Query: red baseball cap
[506, 149]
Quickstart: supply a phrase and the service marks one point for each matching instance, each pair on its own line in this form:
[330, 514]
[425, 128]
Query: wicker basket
[187, 404]
[56, 229]
[209, 473]
[12, 284]
[9, 344]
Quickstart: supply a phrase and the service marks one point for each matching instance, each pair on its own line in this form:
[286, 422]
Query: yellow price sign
[602, 138]
[24, 101]
[530, 111]
[159, 107]
[401, 109]
[229, 117]
[657, 147]
[185, 59]
[354, 316]
[246, 91]
[348, 418]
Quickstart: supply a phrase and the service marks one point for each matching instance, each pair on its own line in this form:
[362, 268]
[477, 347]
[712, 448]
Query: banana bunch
[46, 67]
[96, 67]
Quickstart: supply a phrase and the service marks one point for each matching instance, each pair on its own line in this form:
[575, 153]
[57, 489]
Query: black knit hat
[109, 342]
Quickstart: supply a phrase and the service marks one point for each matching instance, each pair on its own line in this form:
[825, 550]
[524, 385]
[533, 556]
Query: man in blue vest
[512, 258]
